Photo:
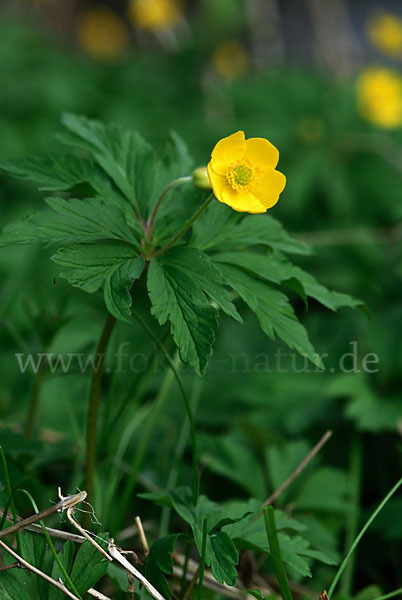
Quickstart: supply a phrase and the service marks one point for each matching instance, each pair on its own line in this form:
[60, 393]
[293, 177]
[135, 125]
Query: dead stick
[299, 469]
[57, 533]
[114, 552]
[143, 538]
[96, 594]
[85, 533]
[65, 503]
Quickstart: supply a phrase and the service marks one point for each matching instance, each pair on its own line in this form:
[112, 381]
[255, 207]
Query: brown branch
[299, 469]
[15, 565]
[56, 533]
[64, 504]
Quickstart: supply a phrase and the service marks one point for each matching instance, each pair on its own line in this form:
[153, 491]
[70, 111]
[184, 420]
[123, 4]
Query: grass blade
[359, 537]
[390, 595]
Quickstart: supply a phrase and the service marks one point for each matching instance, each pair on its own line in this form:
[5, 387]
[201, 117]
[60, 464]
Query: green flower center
[240, 175]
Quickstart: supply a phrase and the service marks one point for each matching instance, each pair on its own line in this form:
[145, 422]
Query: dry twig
[143, 538]
[299, 469]
[116, 554]
[64, 504]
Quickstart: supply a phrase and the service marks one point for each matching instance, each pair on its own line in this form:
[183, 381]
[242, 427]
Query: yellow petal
[241, 201]
[218, 182]
[227, 151]
[261, 153]
[268, 186]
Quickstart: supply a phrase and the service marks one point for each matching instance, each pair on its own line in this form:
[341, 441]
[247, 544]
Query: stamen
[240, 175]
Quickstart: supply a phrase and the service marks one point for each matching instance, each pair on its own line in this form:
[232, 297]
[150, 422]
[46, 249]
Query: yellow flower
[242, 173]
[380, 96]
[230, 60]
[102, 33]
[154, 14]
[385, 32]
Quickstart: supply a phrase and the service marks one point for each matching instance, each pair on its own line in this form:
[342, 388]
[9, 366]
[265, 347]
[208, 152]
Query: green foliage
[86, 568]
[237, 524]
[254, 426]
[113, 241]
[160, 562]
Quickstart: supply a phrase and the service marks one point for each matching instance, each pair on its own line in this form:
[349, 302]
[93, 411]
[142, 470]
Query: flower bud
[201, 179]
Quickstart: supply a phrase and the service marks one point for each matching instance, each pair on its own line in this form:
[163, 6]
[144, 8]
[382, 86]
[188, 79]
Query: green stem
[359, 537]
[150, 226]
[178, 454]
[191, 585]
[5, 514]
[93, 409]
[186, 226]
[33, 406]
[352, 519]
[185, 569]
[186, 402]
[203, 552]
[10, 495]
[279, 568]
[144, 442]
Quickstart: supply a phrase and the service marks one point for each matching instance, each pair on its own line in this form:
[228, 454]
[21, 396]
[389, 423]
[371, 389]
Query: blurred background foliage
[323, 82]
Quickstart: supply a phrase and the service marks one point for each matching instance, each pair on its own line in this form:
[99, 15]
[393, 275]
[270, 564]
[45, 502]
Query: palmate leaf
[179, 286]
[128, 159]
[160, 562]
[124, 155]
[204, 274]
[116, 266]
[273, 311]
[118, 286]
[274, 267]
[71, 221]
[88, 265]
[221, 553]
[249, 533]
[222, 227]
[61, 172]
[175, 297]
[241, 522]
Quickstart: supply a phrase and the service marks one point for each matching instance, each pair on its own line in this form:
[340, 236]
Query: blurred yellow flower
[154, 14]
[385, 32]
[102, 33]
[242, 173]
[380, 96]
[230, 59]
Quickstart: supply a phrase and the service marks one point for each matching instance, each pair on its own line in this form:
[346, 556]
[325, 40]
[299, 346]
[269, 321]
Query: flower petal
[218, 182]
[227, 151]
[268, 186]
[261, 153]
[241, 201]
